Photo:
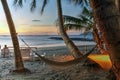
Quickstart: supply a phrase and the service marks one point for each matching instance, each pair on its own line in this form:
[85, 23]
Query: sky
[32, 23]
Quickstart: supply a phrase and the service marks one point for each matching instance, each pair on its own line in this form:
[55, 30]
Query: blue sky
[25, 20]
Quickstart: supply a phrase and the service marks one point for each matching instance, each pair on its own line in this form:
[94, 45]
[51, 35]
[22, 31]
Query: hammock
[66, 63]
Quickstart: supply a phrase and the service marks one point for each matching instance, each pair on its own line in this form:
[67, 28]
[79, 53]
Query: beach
[41, 71]
[54, 50]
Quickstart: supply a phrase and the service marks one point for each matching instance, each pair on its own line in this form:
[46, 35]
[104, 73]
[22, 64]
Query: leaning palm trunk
[70, 45]
[18, 58]
[107, 17]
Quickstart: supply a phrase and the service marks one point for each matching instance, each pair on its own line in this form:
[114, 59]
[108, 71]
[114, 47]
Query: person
[5, 52]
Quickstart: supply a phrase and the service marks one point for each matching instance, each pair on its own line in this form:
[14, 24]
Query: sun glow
[38, 30]
[33, 30]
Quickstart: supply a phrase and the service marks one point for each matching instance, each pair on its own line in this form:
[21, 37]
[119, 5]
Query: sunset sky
[31, 23]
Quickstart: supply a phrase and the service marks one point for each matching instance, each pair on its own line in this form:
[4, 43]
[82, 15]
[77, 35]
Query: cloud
[36, 20]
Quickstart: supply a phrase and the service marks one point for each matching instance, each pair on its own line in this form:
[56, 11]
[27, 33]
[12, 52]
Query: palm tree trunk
[117, 4]
[17, 53]
[108, 19]
[70, 45]
[98, 39]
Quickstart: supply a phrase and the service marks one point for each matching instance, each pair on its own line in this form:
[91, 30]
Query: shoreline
[81, 43]
[57, 50]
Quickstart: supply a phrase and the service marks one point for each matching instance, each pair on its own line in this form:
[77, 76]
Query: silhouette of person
[5, 51]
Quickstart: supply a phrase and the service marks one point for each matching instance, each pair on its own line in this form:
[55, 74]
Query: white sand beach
[42, 71]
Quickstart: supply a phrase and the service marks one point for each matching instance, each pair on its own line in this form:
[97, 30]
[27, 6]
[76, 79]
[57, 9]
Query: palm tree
[85, 21]
[71, 46]
[108, 19]
[17, 53]
[78, 23]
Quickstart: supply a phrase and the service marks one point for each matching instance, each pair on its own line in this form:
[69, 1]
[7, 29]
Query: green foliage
[45, 2]
[19, 2]
[72, 26]
[80, 2]
[33, 4]
[84, 20]
[71, 19]
[87, 12]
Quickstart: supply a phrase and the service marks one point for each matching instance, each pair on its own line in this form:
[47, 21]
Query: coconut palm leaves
[84, 20]
[79, 2]
[33, 4]
[44, 4]
[19, 2]
[72, 23]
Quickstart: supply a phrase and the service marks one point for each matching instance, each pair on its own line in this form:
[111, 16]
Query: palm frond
[15, 2]
[87, 12]
[86, 2]
[73, 26]
[86, 19]
[33, 5]
[89, 27]
[77, 23]
[19, 2]
[70, 19]
[43, 6]
[79, 2]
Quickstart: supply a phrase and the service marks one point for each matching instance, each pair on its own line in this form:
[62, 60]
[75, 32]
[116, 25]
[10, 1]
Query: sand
[41, 71]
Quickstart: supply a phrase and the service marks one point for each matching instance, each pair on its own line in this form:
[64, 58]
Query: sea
[41, 40]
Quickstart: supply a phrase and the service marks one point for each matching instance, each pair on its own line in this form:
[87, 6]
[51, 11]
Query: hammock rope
[65, 63]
